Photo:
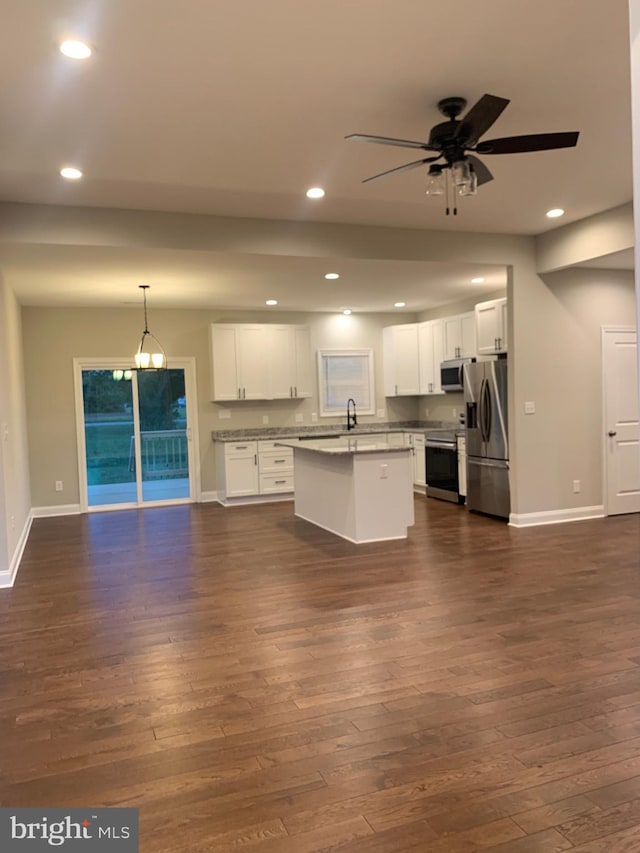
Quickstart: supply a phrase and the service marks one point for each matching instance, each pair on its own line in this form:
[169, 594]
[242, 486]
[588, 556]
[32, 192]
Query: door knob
[612, 432]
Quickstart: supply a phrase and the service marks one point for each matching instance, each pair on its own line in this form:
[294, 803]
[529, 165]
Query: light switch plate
[530, 408]
[265, 419]
[224, 414]
[299, 418]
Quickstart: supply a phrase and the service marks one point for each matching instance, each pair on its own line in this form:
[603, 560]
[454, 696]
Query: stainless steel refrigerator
[485, 396]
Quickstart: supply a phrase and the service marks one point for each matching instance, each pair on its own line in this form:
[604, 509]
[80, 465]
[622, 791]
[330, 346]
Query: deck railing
[163, 453]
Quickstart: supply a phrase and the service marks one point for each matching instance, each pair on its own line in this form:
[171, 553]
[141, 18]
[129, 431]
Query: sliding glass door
[135, 436]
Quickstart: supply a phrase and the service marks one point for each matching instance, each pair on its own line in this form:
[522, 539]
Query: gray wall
[15, 502]
[55, 336]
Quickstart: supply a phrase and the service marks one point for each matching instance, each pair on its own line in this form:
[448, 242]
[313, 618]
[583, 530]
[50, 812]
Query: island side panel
[324, 490]
[383, 496]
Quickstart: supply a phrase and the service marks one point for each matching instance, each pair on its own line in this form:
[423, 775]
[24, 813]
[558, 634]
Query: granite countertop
[345, 445]
[331, 431]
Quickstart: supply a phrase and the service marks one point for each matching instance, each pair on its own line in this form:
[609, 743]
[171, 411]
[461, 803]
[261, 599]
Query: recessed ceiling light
[71, 173]
[399, 304]
[347, 311]
[315, 192]
[75, 49]
[553, 214]
[332, 275]
[272, 302]
[477, 280]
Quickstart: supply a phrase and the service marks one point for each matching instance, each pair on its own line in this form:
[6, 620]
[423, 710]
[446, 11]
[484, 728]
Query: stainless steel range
[441, 451]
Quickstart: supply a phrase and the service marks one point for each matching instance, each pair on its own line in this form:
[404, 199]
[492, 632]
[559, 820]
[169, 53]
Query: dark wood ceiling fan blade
[480, 118]
[388, 140]
[404, 168]
[529, 142]
[482, 173]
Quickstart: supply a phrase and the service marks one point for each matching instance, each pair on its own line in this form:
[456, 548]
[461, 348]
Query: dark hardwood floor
[251, 682]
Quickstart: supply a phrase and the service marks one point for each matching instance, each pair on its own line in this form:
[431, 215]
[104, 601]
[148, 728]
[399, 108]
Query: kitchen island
[360, 489]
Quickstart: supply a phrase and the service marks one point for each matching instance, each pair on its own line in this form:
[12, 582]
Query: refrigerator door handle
[488, 412]
[482, 417]
[487, 463]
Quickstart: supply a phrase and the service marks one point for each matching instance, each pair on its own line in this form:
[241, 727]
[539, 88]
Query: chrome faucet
[352, 420]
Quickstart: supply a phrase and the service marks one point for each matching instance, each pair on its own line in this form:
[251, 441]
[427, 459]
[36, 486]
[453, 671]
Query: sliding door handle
[612, 432]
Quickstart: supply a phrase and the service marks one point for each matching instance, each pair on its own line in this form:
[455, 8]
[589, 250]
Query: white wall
[15, 500]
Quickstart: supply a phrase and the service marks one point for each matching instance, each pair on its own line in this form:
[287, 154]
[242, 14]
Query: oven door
[442, 470]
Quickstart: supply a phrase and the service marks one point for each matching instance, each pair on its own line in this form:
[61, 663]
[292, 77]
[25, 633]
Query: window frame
[365, 398]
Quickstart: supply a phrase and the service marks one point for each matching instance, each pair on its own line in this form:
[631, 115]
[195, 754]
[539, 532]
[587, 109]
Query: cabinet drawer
[273, 483]
[274, 445]
[272, 461]
[240, 448]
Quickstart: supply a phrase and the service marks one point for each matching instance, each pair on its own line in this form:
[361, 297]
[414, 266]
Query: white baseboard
[556, 516]
[49, 511]
[207, 497]
[7, 579]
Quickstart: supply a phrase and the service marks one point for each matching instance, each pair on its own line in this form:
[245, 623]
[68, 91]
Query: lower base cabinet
[249, 469]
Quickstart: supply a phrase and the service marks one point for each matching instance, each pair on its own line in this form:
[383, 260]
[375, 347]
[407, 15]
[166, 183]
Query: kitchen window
[343, 374]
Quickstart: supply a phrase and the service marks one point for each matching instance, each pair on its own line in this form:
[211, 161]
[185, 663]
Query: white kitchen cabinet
[251, 469]
[431, 354]
[254, 361]
[239, 361]
[275, 468]
[238, 469]
[460, 336]
[290, 362]
[401, 362]
[462, 465]
[491, 326]
[416, 440]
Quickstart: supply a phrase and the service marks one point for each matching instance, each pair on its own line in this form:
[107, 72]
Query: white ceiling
[236, 108]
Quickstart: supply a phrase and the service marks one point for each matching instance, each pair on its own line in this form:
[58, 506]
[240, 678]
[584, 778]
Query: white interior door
[622, 434]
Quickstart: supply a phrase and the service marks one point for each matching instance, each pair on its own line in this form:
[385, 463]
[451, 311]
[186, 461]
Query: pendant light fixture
[146, 358]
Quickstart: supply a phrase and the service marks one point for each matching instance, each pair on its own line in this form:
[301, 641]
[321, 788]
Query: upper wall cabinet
[239, 366]
[460, 336]
[254, 361]
[400, 354]
[291, 373]
[431, 354]
[491, 326]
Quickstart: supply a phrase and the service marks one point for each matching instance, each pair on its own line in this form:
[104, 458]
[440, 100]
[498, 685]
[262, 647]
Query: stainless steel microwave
[452, 373]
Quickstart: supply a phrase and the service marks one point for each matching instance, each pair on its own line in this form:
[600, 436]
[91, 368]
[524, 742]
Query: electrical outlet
[576, 487]
[530, 408]
[314, 417]
[380, 413]
[13, 522]
[58, 485]
[265, 419]
[224, 414]
[299, 418]
[426, 412]
[384, 471]
[454, 412]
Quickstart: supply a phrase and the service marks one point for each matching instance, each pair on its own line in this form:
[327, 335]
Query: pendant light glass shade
[150, 355]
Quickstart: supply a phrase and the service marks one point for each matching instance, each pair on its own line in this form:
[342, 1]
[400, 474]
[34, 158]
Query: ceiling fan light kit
[455, 138]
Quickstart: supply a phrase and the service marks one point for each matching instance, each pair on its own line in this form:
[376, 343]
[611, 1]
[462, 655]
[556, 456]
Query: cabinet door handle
[279, 482]
[244, 393]
[278, 461]
[612, 432]
[396, 390]
[255, 458]
[239, 393]
[295, 388]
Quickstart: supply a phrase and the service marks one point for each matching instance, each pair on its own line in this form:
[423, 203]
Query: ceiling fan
[453, 139]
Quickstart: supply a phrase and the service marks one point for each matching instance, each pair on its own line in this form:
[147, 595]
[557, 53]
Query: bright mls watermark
[34, 830]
